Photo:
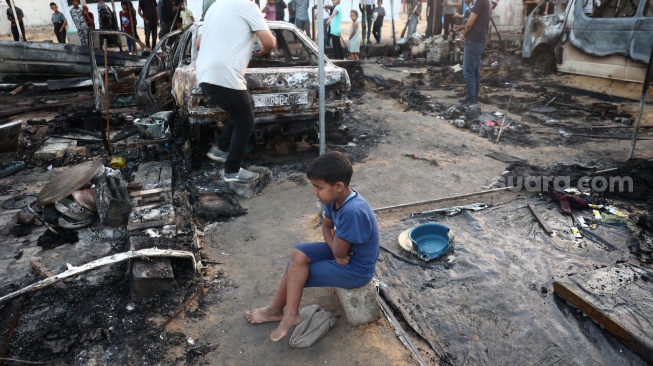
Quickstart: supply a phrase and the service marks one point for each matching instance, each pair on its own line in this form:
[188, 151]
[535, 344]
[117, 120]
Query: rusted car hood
[263, 80]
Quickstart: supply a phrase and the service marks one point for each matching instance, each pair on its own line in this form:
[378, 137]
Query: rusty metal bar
[642, 101]
[404, 205]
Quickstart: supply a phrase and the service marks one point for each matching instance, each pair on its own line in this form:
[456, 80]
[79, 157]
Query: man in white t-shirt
[225, 48]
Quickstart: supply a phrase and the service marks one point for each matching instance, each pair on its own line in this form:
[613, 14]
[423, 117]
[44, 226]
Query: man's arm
[199, 40]
[468, 26]
[268, 41]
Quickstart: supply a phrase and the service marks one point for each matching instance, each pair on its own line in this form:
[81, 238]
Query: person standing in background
[366, 7]
[186, 15]
[14, 26]
[126, 24]
[108, 21]
[377, 17]
[450, 8]
[301, 16]
[90, 18]
[474, 37]
[270, 11]
[280, 7]
[328, 7]
[433, 17]
[80, 22]
[168, 16]
[335, 21]
[147, 9]
[413, 18]
[59, 22]
[291, 12]
[354, 36]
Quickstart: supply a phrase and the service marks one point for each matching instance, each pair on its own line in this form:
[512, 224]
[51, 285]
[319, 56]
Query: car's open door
[154, 85]
[123, 72]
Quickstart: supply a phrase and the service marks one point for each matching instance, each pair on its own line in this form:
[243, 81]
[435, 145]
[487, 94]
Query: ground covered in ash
[407, 145]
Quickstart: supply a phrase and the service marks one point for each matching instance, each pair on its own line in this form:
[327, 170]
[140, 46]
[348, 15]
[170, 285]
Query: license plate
[279, 99]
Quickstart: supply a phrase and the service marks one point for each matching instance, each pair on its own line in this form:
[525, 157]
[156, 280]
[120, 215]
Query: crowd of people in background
[159, 17]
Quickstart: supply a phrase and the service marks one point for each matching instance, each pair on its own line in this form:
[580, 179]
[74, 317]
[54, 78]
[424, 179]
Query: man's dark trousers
[238, 126]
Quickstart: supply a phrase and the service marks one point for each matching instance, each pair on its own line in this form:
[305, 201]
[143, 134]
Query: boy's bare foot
[264, 315]
[287, 322]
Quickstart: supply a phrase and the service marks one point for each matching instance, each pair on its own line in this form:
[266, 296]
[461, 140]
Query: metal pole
[412, 204]
[392, 17]
[106, 95]
[320, 75]
[642, 101]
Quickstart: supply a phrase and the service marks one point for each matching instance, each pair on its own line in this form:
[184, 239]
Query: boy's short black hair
[332, 167]
[53, 4]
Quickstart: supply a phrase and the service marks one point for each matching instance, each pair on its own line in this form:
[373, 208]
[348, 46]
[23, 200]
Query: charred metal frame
[292, 118]
[615, 43]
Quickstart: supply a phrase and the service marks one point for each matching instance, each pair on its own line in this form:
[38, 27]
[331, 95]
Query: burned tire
[544, 62]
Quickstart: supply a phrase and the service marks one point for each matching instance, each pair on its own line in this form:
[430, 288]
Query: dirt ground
[386, 127]
[253, 249]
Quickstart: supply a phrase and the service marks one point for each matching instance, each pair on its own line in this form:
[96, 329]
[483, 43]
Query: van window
[648, 9]
[617, 9]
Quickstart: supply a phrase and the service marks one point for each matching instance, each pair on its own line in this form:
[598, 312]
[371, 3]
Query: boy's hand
[345, 260]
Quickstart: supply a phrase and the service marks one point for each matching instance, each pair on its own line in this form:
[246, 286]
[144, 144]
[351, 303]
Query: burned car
[283, 86]
[614, 42]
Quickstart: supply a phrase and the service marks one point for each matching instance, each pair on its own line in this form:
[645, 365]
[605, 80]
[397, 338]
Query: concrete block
[9, 136]
[250, 189]
[359, 304]
[54, 148]
[112, 200]
[150, 277]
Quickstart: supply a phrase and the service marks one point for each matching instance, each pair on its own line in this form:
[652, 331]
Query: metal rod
[401, 334]
[106, 98]
[640, 111]
[642, 101]
[392, 17]
[504, 118]
[320, 76]
[404, 205]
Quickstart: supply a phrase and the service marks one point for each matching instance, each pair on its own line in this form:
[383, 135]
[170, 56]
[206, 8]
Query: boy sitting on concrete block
[347, 257]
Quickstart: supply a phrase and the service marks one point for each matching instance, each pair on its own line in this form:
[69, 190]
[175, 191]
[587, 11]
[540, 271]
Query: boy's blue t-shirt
[355, 222]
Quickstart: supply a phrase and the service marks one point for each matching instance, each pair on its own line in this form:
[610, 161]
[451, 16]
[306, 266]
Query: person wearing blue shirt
[347, 257]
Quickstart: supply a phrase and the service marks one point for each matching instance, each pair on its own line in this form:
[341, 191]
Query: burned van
[615, 42]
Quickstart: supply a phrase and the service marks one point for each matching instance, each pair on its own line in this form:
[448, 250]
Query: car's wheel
[544, 62]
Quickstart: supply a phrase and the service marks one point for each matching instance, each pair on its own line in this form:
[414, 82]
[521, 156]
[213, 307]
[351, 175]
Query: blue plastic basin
[430, 240]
